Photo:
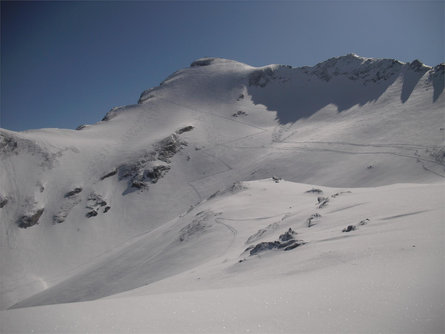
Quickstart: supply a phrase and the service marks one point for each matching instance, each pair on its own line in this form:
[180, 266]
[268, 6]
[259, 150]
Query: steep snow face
[344, 82]
[68, 198]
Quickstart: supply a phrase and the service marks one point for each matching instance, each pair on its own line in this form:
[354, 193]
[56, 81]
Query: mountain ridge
[203, 129]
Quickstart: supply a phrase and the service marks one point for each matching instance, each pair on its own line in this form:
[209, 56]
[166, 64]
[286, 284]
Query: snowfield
[235, 199]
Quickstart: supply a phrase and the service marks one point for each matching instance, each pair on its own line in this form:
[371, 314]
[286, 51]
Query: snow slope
[387, 275]
[86, 214]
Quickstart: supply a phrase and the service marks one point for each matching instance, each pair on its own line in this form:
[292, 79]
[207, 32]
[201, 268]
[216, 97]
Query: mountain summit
[157, 189]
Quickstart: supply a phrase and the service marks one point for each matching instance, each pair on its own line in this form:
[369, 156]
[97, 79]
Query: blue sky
[67, 63]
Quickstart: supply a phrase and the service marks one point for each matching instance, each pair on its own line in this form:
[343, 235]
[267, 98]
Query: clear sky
[67, 63]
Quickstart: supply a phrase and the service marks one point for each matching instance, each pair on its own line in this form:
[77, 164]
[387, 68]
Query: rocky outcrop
[73, 192]
[112, 113]
[8, 144]
[322, 202]
[310, 220]
[31, 219]
[418, 66]
[349, 228]
[314, 191]
[91, 213]
[239, 113]
[184, 129]
[202, 62]
[95, 203]
[168, 147]
[3, 201]
[289, 235]
[113, 172]
[354, 67]
[286, 241]
[438, 153]
[261, 77]
[153, 165]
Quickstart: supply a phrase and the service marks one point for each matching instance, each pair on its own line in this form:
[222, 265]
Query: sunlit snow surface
[186, 176]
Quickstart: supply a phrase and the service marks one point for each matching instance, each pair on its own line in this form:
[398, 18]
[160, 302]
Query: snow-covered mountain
[202, 188]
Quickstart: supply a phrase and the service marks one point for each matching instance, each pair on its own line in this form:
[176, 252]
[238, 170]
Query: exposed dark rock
[107, 208]
[151, 93]
[289, 235]
[314, 191]
[322, 201]
[418, 66]
[309, 221]
[263, 246]
[356, 68]
[239, 113]
[7, 144]
[261, 77]
[349, 228]
[59, 218]
[139, 184]
[80, 127]
[114, 172]
[91, 214]
[168, 147]
[73, 192]
[240, 97]
[202, 62]
[276, 179]
[30, 220]
[237, 187]
[364, 221]
[127, 170]
[293, 245]
[185, 129]
[3, 201]
[95, 201]
[152, 165]
[112, 113]
[156, 172]
[437, 78]
[438, 154]
[286, 242]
